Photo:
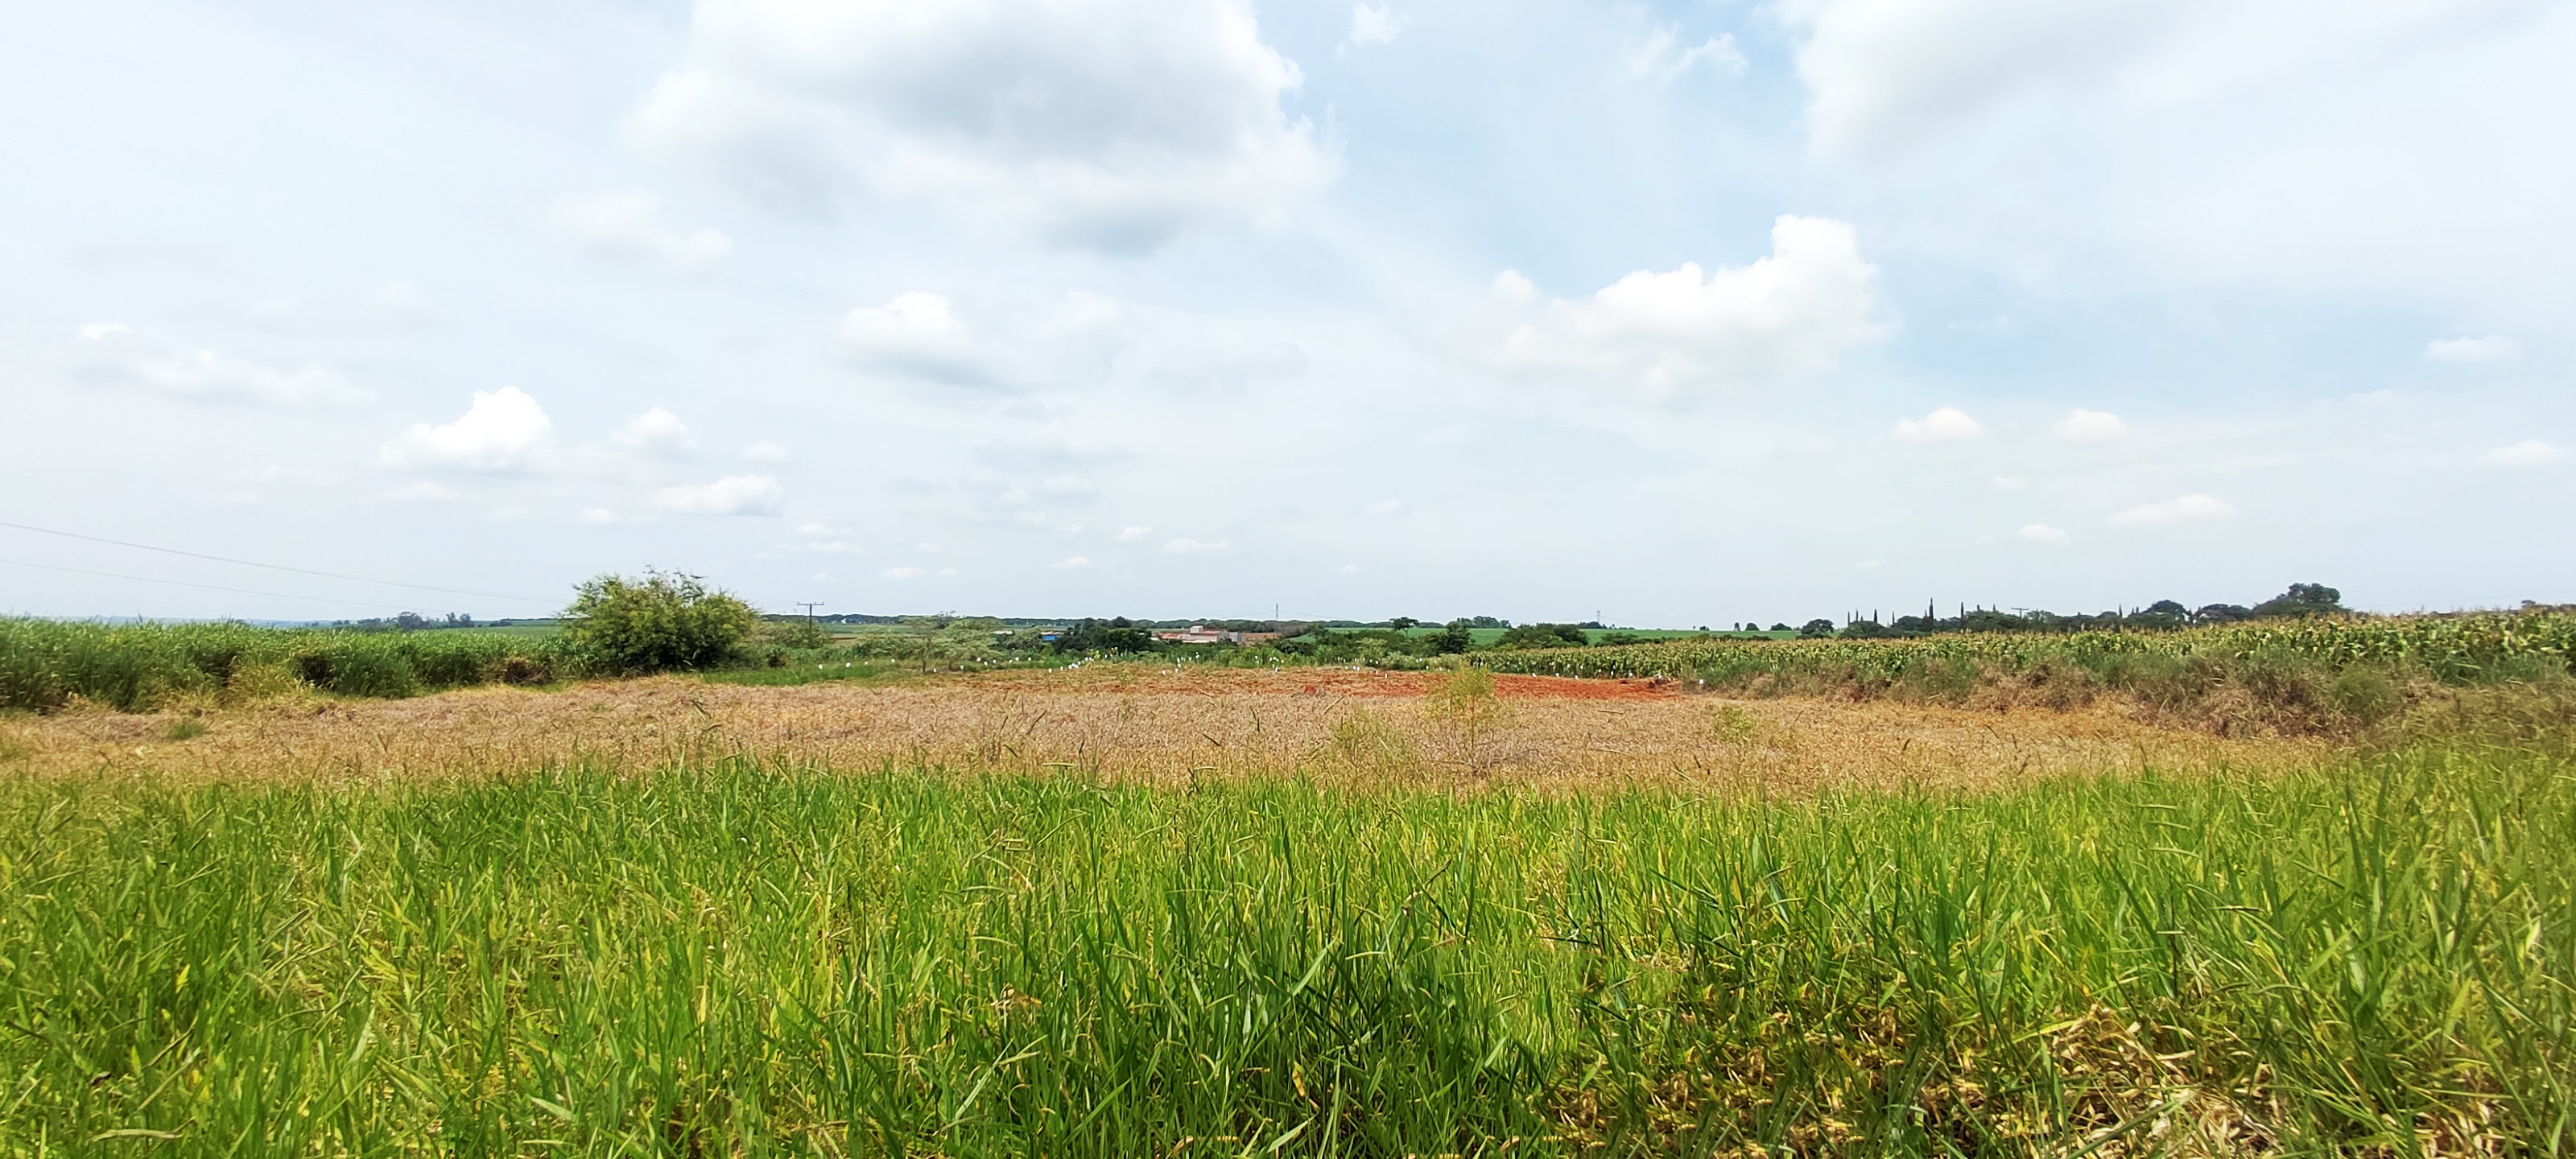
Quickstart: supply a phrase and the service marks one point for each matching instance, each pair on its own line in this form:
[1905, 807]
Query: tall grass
[737, 959]
[136, 667]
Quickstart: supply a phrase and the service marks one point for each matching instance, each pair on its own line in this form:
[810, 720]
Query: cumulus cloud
[112, 353]
[917, 334]
[2043, 533]
[731, 495]
[1514, 286]
[1787, 313]
[1107, 124]
[2527, 453]
[2492, 348]
[1372, 24]
[2185, 509]
[656, 432]
[1194, 547]
[2090, 426]
[1663, 58]
[1131, 534]
[1072, 562]
[1947, 424]
[629, 225]
[504, 430]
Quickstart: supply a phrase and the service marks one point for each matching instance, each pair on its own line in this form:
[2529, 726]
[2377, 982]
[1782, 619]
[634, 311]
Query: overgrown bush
[662, 622]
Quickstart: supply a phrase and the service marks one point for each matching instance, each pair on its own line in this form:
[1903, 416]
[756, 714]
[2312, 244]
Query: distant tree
[2303, 600]
[2161, 614]
[662, 622]
[2221, 614]
[1787, 628]
[1614, 639]
[1543, 636]
[412, 622]
[1863, 630]
[1816, 628]
[1401, 623]
[1118, 635]
[1456, 638]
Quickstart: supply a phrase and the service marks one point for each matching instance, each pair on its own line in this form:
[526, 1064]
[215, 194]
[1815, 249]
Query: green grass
[738, 959]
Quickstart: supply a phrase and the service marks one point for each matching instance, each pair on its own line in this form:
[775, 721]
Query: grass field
[1131, 909]
[731, 957]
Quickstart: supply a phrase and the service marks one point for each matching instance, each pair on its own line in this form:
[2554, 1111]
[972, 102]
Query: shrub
[659, 623]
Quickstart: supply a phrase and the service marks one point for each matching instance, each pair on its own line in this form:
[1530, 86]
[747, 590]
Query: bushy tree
[1816, 628]
[1456, 638]
[2303, 600]
[662, 622]
[1118, 635]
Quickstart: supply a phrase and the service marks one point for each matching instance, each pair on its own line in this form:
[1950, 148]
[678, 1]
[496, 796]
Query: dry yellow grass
[1138, 723]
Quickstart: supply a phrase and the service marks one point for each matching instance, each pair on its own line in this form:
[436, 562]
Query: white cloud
[1663, 57]
[1108, 124]
[1194, 547]
[504, 430]
[1790, 312]
[656, 432]
[596, 515]
[1515, 287]
[114, 353]
[1072, 562]
[1372, 24]
[1872, 564]
[2185, 509]
[628, 225]
[1941, 426]
[904, 573]
[916, 333]
[2492, 348]
[2043, 533]
[1131, 534]
[2527, 453]
[2090, 426]
[768, 453]
[731, 495]
[2008, 483]
[1385, 507]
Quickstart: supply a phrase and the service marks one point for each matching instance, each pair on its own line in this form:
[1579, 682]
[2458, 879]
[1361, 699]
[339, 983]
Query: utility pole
[809, 606]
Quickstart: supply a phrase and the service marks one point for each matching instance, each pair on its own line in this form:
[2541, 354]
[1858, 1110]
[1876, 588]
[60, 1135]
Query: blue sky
[1676, 314]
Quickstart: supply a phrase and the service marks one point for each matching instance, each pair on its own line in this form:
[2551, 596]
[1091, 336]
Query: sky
[1670, 315]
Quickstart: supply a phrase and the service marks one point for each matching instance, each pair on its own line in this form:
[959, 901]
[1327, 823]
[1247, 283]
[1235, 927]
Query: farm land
[2262, 889]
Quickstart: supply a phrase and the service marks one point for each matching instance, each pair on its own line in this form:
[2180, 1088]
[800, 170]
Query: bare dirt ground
[1142, 723]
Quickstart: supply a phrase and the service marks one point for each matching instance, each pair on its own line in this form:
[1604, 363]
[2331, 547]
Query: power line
[253, 563]
[185, 584]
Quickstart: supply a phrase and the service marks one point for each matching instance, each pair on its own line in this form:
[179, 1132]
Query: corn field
[2454, 649]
